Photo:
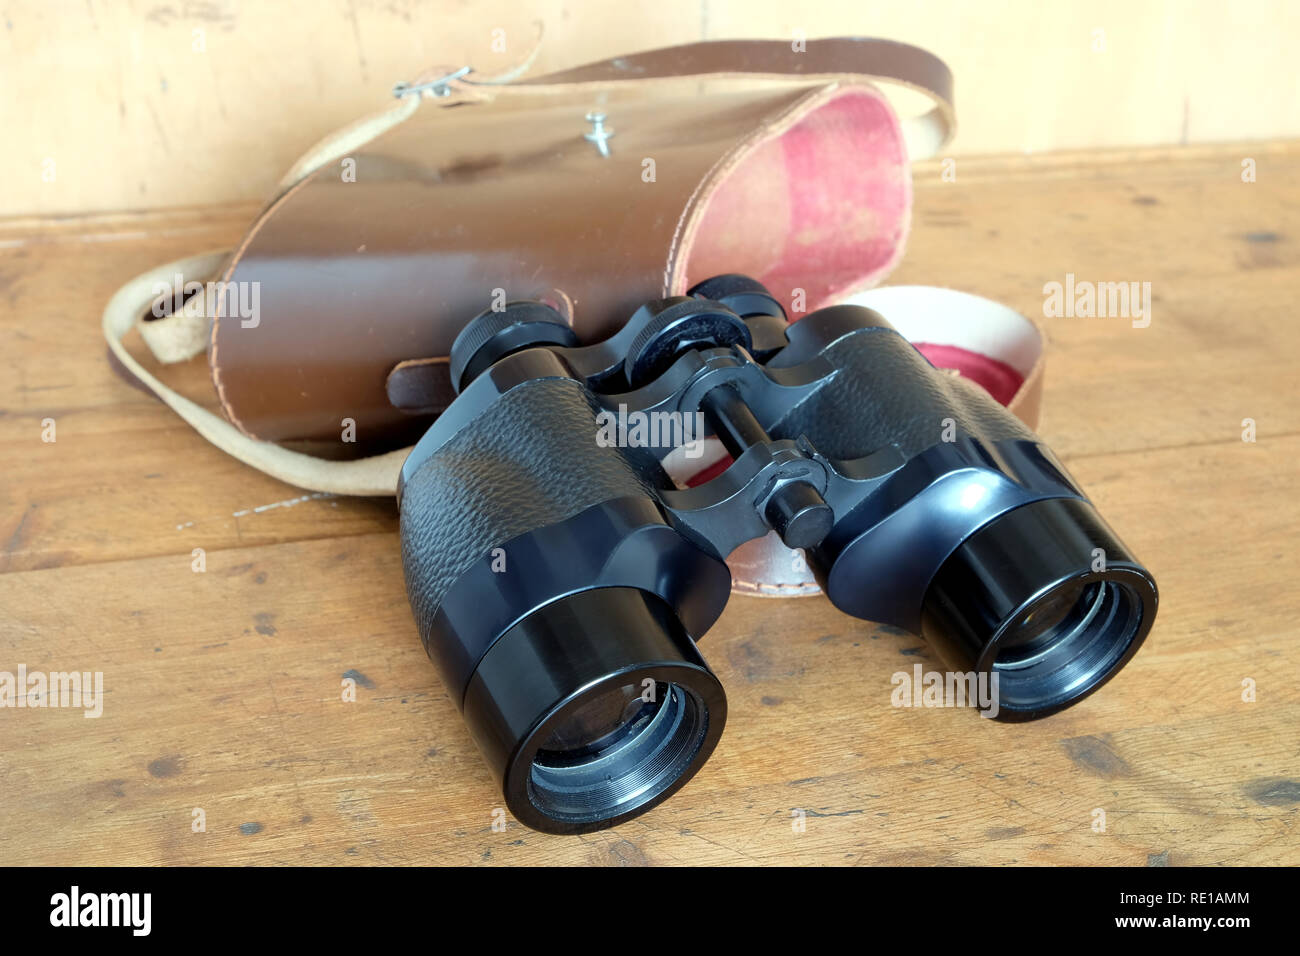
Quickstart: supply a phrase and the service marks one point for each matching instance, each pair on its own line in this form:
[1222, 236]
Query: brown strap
[824, 60]
[420, 386]
[862, 56]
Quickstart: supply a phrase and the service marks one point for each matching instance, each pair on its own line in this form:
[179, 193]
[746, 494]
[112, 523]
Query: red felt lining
[817, 212]
[997, 378]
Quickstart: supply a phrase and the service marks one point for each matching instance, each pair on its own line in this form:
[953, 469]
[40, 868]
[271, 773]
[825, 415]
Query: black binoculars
[561, 579]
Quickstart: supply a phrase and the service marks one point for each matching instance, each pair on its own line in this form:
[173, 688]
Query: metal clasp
[600, 134]
[439, 87]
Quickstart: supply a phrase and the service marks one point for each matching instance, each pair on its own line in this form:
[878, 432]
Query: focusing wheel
[491, 336]
[745, 296]
[669, 327]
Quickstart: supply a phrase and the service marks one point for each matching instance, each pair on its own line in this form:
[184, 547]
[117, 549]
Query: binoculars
[561, 580]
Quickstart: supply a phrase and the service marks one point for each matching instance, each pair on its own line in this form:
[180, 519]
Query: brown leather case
[736, 156]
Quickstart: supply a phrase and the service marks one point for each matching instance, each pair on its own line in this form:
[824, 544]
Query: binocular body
[560, 579]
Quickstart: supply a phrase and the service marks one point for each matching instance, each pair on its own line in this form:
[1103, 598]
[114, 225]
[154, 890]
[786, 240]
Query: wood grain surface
[222, 689]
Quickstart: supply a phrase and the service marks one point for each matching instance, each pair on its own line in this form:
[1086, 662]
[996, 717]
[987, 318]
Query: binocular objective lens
[1027, 599]
[1053, 618]
[600, 723]
[1073, 638]
[618, 749]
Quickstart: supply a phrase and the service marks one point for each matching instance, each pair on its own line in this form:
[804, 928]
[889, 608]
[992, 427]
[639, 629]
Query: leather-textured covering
[528, 461]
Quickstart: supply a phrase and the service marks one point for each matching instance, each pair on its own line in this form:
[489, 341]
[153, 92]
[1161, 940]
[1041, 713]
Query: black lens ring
[977, 604]
[637, 787]
[561, 657]
[1082, 657]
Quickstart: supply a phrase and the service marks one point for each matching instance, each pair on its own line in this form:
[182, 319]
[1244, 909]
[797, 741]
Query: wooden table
[223, 688]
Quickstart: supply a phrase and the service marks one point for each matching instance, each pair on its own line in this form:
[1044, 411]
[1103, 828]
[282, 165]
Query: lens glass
[600, 721]
[1059, 613]
[1066, 642]
[616, 750]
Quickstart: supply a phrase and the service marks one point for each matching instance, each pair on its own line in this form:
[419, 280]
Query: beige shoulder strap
[366, 476]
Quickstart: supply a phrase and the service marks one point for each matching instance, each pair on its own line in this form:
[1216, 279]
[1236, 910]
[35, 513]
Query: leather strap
[343, 141]
[420, 386]
[824, 61]
[365, 476]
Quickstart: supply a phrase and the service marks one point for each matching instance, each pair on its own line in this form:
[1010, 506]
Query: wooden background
[147, 104]
[223, 688]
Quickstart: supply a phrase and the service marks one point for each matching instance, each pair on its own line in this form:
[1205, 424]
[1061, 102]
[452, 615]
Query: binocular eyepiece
[561, 579]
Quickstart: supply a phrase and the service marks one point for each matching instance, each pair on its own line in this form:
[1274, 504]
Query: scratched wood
[222, 689]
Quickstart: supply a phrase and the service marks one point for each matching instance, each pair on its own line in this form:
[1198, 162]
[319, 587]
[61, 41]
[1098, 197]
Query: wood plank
[223, 692]
[223, 688]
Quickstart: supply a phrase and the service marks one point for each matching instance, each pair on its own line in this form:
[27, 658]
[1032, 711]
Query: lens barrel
[593, 709]
[1045, 598]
